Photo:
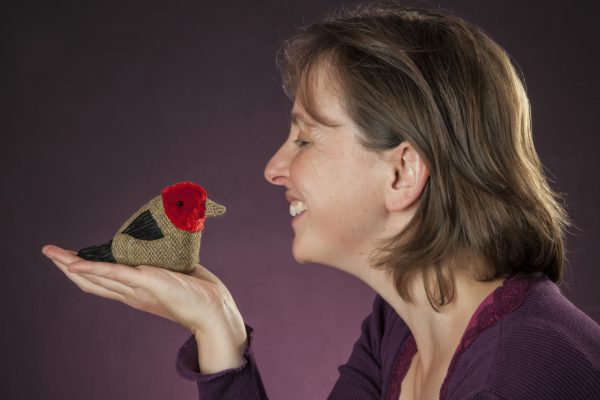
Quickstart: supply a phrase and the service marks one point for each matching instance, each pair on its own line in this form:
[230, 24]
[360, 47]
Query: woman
[410, 165]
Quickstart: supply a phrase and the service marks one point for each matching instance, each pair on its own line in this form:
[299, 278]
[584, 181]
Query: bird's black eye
[179, 203]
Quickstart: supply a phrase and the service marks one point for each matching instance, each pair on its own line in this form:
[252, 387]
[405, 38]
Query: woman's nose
[276, 171]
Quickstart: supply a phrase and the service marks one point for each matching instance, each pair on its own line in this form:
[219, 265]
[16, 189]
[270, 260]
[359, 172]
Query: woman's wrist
[222, 345]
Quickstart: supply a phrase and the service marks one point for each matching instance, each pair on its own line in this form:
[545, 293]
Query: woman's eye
[300, 143]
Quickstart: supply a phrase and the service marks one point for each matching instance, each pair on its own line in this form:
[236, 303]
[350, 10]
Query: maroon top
[526, 341]
[497, 304]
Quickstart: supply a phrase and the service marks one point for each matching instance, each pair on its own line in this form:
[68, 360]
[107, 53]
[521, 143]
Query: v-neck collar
[504, 299]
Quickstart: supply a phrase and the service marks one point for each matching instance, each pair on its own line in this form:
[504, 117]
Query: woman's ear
[407, 178]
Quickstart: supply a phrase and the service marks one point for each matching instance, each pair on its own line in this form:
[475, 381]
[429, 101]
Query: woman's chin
[301, 253]
[299, 256]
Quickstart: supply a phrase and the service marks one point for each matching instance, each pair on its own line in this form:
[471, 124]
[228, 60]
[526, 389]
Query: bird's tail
[101, 252]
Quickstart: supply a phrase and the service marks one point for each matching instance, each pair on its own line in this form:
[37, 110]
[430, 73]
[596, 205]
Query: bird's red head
[185, 205]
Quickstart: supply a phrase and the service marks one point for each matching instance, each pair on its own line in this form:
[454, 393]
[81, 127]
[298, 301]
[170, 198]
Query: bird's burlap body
[178, 251]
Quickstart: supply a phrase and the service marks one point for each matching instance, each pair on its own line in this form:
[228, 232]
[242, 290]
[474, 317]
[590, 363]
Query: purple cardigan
[525, 341]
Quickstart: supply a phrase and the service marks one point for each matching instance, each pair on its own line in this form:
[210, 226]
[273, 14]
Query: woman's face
[336, 178]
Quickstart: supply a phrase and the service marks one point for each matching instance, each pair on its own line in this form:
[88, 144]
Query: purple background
[108, 102]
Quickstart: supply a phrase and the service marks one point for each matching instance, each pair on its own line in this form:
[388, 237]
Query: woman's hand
[199, 301]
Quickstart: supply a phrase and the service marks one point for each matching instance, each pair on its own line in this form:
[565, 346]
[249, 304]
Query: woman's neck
[437, 334]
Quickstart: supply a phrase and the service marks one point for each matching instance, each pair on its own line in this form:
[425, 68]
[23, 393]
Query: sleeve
[361, 377]
[242, 383]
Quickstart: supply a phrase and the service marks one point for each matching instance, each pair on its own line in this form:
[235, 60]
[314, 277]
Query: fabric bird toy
[165, 232]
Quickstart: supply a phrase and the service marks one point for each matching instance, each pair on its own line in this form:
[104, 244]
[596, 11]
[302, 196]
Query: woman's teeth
[297, 207]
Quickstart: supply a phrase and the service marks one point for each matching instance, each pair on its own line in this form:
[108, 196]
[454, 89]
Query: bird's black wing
[144, 227]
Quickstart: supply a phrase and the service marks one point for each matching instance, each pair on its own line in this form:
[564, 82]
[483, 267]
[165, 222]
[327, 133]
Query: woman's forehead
[318, 100]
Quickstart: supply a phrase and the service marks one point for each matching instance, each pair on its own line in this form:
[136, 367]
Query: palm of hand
[194, 301]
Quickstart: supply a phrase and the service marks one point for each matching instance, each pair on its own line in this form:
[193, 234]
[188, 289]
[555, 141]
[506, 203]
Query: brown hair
[440, 83]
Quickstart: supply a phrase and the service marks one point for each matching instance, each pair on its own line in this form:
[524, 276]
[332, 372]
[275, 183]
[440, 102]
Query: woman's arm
[223, 346]
[219, 345]
[238, 383]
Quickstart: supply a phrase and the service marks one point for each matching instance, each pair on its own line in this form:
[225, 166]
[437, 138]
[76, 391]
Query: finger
[117, 272]
[88, 286]
[65, 258]
[60, 258]
[61, 255]
[109, 284]
[63, 268]
[123, 274]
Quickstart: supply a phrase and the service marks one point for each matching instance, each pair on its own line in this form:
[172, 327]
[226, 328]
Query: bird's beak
[214, 209]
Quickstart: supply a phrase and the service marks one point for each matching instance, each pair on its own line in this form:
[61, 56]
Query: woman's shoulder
[539, 345]
[545, 348]
[547, 319]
